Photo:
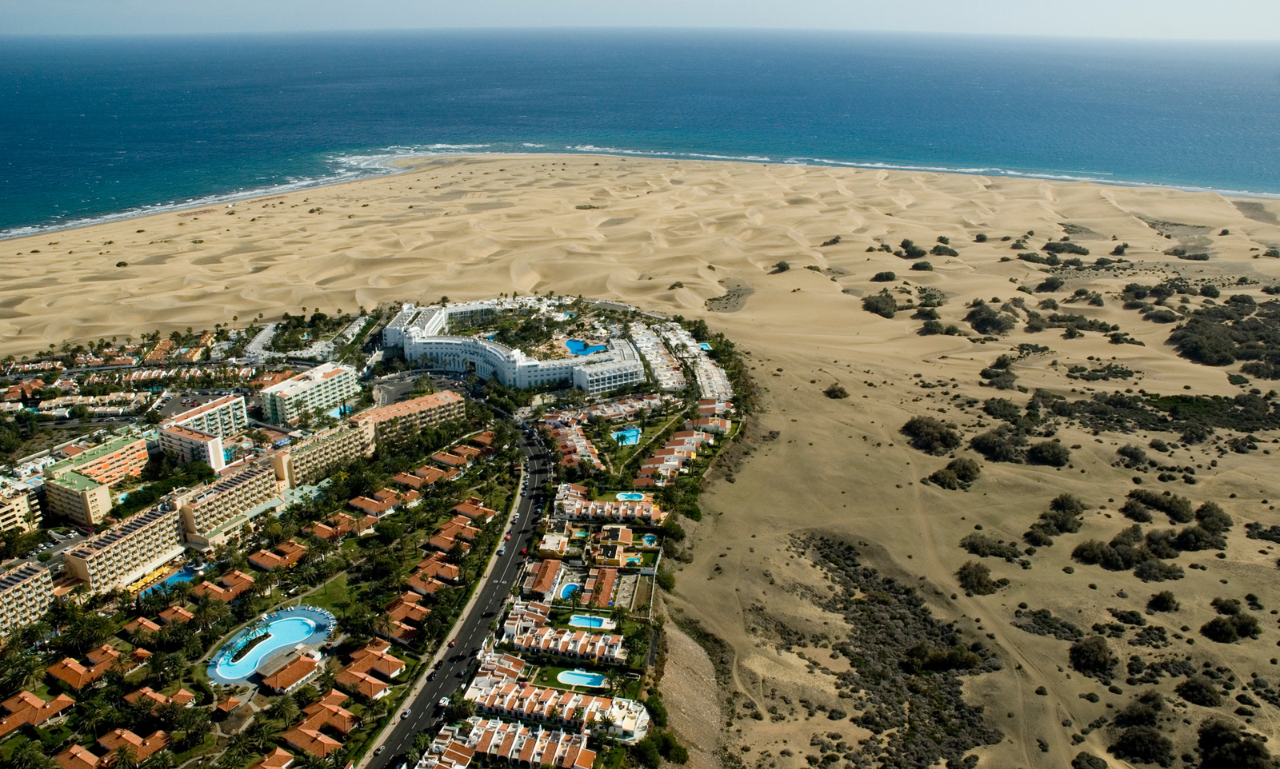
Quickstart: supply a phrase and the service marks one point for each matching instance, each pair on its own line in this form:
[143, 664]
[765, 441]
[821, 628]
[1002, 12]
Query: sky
[1142, 19]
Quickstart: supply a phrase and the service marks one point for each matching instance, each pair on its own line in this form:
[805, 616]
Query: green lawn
[330, 595]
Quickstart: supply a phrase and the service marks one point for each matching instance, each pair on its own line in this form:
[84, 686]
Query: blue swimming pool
[705, 346]
[579, 347]
[568, 590]
[186, 574]
[283, 630]
[627, 437]
[650, 540]
[581, 678]
[586, 620]
[630, 496]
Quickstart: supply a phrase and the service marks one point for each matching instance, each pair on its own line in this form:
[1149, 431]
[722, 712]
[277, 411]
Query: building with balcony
[25, 594]
[314, 457]
[78, 488]
[189, 445]
[213, 514]
[224, 417]
[314, 391]
[400, 419]
[130, 550]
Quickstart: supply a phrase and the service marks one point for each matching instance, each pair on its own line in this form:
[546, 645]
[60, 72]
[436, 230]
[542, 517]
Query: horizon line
[621, 28]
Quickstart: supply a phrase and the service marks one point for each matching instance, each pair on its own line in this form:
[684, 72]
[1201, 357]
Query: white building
[421, 332]
[25, 594]
[189, 445]
[317, 390]
[224, 417]
[130, 550]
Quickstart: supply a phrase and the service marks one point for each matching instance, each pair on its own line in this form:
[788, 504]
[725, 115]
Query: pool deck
[324, 628]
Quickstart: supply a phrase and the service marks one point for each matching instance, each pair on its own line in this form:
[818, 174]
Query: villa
[324, 719]
[76, 675]
[599, 588]
[78, 757]
[525, 618]
[182, 698]
[283, 556]
[383, 502]
[372, 671]
[230, 587]
[292, 674]
[407, 616]
[543, 578]
[477, 512]
[276, 759]
[572, 502]
[27, 709]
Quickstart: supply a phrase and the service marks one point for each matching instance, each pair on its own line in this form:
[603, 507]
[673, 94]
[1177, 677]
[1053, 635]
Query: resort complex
[286, 565]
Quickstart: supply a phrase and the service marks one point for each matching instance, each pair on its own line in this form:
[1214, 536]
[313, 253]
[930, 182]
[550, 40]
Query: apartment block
[315, 391]
[78, 487]
[223, 417]
[213, 513]
[190, 445]
[399, 419]
[18, 507]
[314, 457]
[25, 594]
[128, 551]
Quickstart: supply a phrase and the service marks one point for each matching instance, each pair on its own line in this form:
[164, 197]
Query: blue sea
[97, 128]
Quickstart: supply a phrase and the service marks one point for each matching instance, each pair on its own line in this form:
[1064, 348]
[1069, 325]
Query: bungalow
[283, 556]
[229, 588]
[292, 674]
[576, 644]
[485, 439]
[525, 617]
[383, 502]
[340, 525]
[276, 759]
[599, 589]
[407, 616]
[615, 556]
[615, 535]
[77, 675]
[436, 566]
[709, 424]
[176, 614]
[140, 625]
[423, 585]
[27, 709]
[469, 453]
[542, 579]
[78, 757]
[323, 719]
[146, 694]
[372, 671]
[475, 511]
[458, 529]
[451, 461]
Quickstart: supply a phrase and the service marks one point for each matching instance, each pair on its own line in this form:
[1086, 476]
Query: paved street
[471, 630]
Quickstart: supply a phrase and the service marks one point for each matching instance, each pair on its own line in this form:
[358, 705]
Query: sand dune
[668, 236]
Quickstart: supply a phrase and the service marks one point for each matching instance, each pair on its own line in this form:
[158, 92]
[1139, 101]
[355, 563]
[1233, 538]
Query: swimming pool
[584, 620]
[630, 496]
[579, 347]
[284, 629]
[627, 437]
[186, 574]
[568, 590]
[705, 346]
[650, 540]
[581, 678]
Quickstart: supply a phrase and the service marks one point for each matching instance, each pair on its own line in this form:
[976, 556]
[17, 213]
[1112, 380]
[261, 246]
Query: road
[455, 665]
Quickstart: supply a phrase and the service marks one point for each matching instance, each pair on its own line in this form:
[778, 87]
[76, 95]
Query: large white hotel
[423, 334]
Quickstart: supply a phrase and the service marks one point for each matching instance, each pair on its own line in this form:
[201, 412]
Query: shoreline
[397, 165]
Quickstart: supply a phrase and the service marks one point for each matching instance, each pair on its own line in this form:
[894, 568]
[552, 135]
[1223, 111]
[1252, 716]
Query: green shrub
[976, 578]
[931, 435]
[922, 266]
[1051, 453]
[1163, 601]
[881, 304]
[884, 277]
[1092, 657]
[1199, 690]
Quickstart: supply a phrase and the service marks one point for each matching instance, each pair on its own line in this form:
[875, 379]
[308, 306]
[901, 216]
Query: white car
[444, 702]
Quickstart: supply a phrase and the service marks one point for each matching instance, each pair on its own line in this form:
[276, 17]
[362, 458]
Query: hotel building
[317, 390]
[315, 456]
[398, 419]
[189, 445]
[25, 594]
[421, 332]
[18, 507]
[130, 550]
[78, 487]
[223, 417]
[214, 513]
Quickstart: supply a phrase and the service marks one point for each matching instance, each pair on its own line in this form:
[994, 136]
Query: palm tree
[125, 758]
[30, 755]
[161, 759]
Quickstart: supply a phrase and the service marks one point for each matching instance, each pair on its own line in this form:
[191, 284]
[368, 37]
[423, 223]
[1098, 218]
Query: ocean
[99, 128]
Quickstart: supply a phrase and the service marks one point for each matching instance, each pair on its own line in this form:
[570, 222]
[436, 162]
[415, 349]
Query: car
[524, 551]
[444, 702]
[453, 643]
[381, 748]
[405, 713]
[431, 676]
[508, 536]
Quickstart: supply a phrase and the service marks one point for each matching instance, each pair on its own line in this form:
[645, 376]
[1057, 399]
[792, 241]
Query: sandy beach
[672, 235]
